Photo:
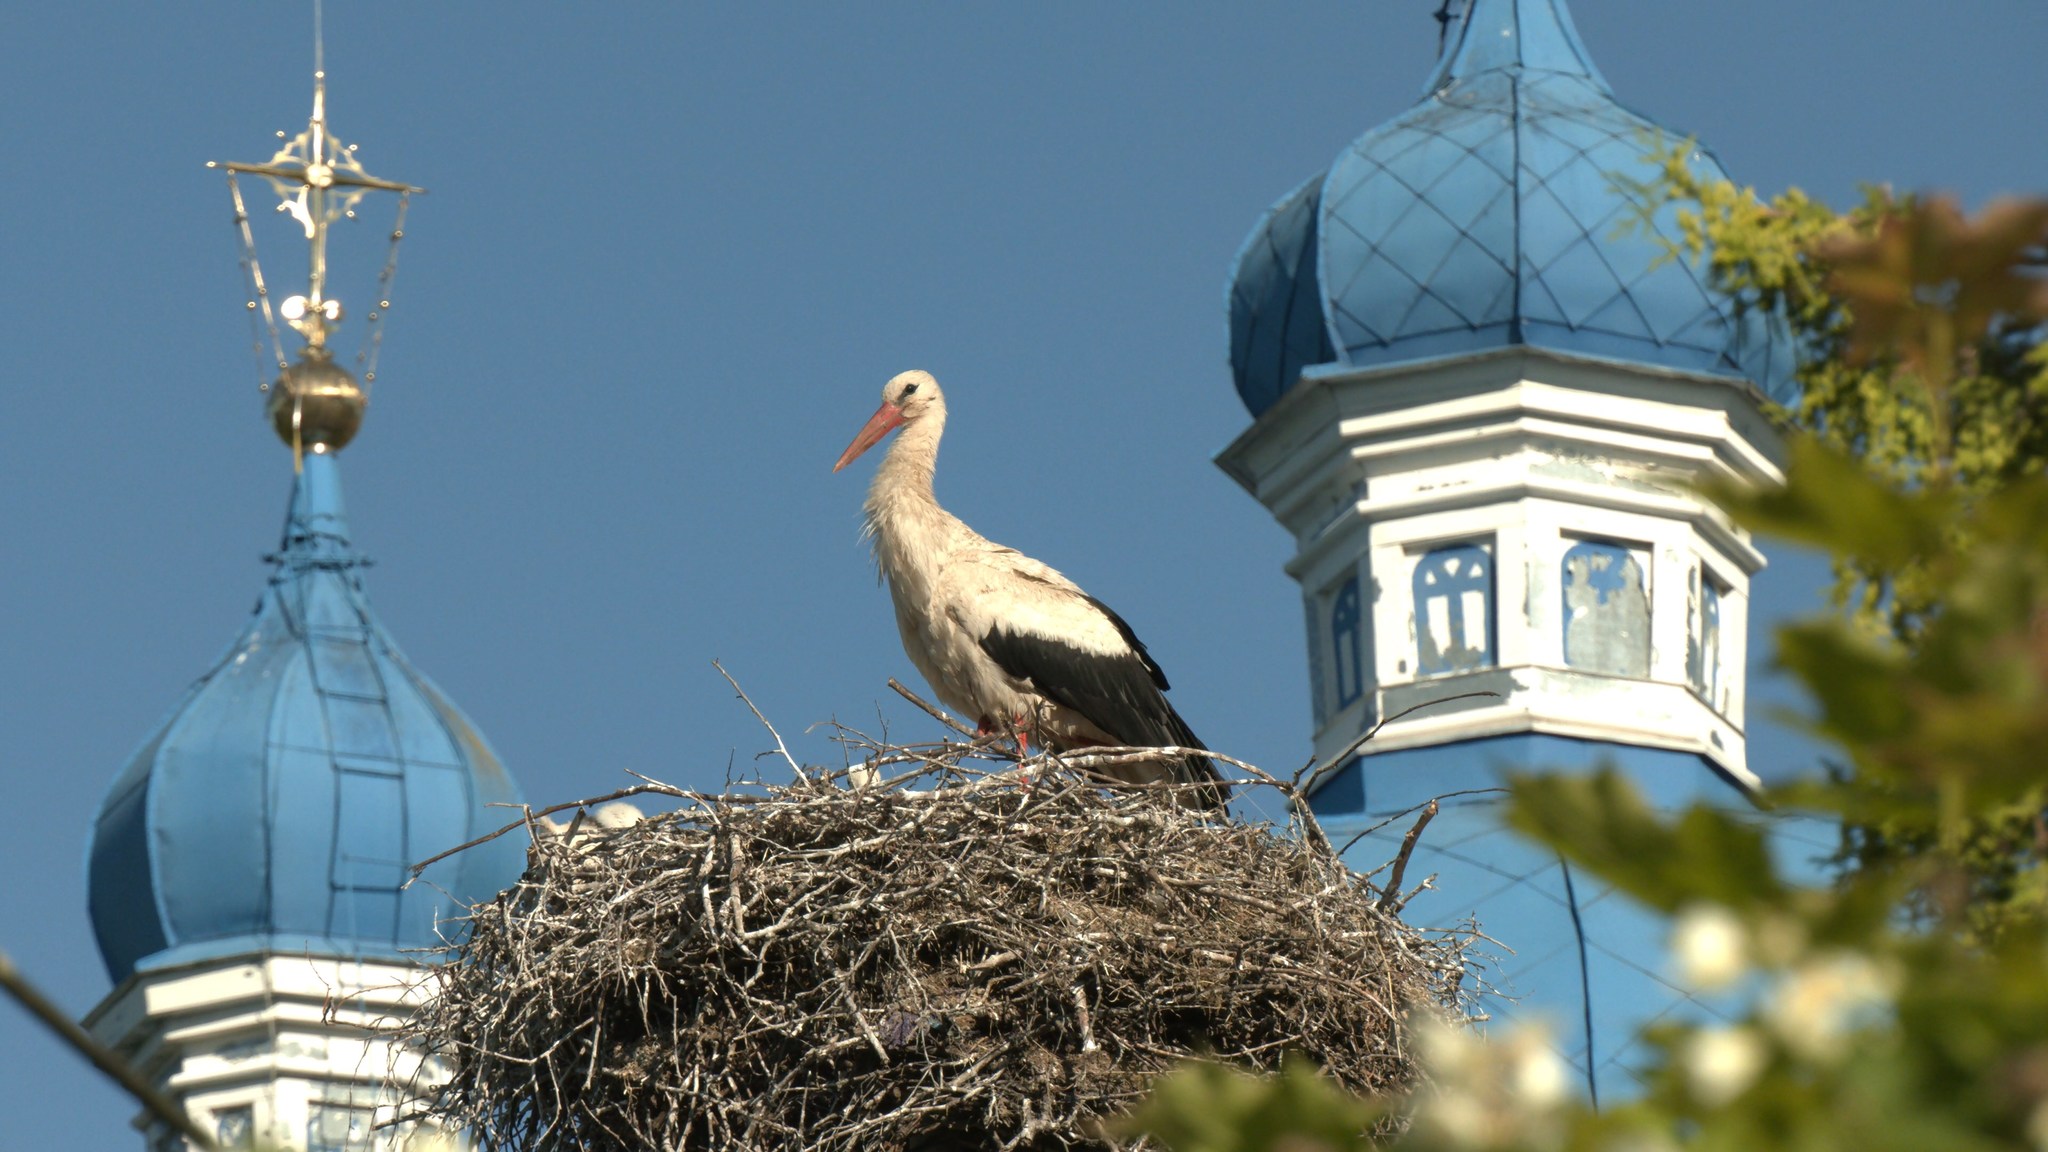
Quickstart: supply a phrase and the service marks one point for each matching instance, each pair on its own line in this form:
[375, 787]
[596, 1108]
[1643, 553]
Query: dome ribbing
[280, 805]
[1492, 213]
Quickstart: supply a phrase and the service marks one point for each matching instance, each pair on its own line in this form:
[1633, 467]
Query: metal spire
[318, 181]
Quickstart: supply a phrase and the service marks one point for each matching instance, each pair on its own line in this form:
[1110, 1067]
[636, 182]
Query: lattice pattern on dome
[1276, 307]
[1490, 215]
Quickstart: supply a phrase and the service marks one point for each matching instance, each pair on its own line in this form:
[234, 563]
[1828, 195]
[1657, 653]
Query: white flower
[1490, 1093]
[1536, 1076]
[2037, 1126]
[1449, 1051]
[1460, 1117]
[1721, 1063]
[1711, 945]
[1816, 1006]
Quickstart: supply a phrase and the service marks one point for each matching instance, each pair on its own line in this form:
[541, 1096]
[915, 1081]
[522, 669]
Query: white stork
[999, 636]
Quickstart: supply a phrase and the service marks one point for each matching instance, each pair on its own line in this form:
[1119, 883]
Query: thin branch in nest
[1316, 770]
[930, 709]
[1390, 897]
[781, 748]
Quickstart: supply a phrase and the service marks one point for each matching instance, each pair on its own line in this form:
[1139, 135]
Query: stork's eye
[908, 389]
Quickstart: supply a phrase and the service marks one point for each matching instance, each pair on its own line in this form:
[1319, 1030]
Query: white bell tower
[1485, 379]
[1509, 542]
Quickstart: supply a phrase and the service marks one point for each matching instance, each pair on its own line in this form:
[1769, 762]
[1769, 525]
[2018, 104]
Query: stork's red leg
[1023, 748]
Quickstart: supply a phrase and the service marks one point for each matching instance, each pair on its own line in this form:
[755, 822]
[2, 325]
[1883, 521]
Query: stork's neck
[906, 472]
[909, 528]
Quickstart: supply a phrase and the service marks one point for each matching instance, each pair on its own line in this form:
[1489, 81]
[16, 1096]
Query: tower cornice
[1544, 471]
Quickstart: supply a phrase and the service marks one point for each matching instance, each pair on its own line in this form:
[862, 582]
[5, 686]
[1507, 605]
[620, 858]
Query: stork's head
[906, 397]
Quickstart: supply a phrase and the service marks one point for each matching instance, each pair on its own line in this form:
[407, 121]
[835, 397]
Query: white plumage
[999, 636]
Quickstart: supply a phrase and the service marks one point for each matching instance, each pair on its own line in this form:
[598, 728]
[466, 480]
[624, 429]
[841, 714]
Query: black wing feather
[1121, 694]
[1131, 638]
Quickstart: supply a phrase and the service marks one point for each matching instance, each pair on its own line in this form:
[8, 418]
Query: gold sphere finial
[316, 404]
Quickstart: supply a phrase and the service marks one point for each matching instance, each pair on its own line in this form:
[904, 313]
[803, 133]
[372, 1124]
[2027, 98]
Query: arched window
[1318, 658]
[1606, 610]
[1703, 643]
[339, 1128]
[1453, 609]
[235, 1127]
[1346, 627]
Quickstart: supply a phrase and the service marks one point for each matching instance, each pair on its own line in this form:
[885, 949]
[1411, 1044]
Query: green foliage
[1206, 1107]
[1941, 729]
[1920, 354]
[1926, 364]
[1924, 368]
[1924, 479]
[1666, 866]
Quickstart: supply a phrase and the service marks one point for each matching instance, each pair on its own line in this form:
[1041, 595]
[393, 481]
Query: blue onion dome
[1494, 212]
[282, 803]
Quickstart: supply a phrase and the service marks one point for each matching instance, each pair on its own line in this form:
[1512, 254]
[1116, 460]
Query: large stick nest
[950, 960]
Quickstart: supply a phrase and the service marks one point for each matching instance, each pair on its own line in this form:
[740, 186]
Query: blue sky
[670, 254]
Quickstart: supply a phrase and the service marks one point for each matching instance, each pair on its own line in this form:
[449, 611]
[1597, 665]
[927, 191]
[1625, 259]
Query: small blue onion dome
[281, 805]
[1494, 212]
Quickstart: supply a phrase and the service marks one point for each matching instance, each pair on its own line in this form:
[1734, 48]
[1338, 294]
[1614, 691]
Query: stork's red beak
[883, 422]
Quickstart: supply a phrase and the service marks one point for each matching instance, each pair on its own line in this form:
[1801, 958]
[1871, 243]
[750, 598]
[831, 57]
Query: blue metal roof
[282, 802]
[1574, 954]
[1484, 216]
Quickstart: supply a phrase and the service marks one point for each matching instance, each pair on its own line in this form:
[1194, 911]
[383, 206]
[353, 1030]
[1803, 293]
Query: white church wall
[288, 1051]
